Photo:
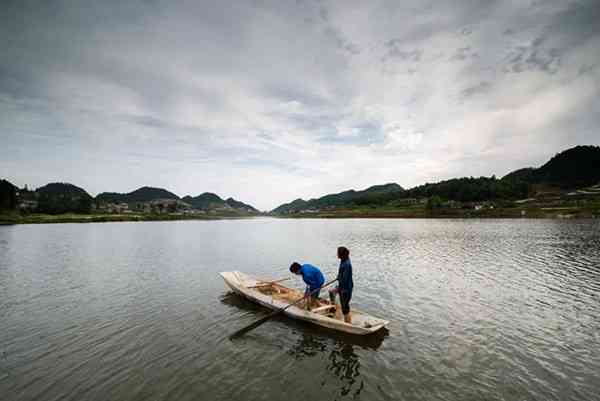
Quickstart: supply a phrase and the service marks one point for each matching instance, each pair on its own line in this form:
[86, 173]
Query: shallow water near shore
[479, 310]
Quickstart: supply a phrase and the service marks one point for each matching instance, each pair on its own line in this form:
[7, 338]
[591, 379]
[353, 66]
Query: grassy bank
[590, 211]
[16, 218]
[417, 211]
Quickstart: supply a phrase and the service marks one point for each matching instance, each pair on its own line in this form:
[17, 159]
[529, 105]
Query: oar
[254, 325]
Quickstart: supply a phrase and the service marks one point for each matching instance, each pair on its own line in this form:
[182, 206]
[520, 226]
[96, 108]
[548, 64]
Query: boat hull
[362, 323]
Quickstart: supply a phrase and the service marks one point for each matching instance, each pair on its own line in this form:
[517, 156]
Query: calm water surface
[479, 310]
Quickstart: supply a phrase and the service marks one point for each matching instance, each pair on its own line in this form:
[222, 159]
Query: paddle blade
[250, 327]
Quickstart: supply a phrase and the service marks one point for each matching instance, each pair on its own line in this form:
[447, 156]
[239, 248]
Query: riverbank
[591, 211]
[16, 218]
[422, 212]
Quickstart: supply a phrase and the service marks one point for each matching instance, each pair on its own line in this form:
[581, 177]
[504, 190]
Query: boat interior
[289, 295]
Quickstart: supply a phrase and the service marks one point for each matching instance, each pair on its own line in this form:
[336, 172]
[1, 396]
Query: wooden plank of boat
[277, 296]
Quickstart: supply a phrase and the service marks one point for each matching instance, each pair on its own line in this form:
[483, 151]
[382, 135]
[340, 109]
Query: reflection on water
[315, 341]
[343, 363]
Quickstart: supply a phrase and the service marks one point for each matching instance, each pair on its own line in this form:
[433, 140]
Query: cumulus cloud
[271, 101]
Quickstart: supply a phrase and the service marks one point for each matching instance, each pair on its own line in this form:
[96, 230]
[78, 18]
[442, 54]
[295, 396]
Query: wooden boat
[273, 295]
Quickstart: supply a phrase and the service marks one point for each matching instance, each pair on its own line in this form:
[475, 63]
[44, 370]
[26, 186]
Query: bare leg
[338, 313]
[348, 318]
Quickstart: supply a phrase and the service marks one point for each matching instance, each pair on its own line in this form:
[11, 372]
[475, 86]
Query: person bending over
[314, 280]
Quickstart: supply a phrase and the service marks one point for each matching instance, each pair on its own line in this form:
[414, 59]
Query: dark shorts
[314, 295]
[345, 298]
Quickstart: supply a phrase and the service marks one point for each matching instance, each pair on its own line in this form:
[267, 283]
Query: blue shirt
[345, 283]
[312, 276]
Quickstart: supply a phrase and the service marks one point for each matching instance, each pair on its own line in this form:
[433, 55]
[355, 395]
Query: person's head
[295, 268]
[343, 253]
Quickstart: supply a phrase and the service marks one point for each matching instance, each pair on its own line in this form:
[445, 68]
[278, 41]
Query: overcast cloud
[271, 101]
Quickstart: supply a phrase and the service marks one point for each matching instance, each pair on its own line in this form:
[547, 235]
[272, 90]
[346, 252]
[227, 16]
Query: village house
[28, 205]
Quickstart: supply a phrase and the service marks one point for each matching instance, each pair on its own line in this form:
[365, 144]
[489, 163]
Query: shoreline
[558, 214]
[14, 219]
[497, 214]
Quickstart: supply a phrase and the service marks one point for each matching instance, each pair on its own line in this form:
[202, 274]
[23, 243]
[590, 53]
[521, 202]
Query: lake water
[479, 310]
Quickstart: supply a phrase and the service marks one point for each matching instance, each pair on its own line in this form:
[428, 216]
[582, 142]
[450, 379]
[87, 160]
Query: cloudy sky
[271, 101]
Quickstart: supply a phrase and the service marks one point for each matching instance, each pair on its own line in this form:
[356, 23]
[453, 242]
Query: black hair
[295, 267]
[343, 253]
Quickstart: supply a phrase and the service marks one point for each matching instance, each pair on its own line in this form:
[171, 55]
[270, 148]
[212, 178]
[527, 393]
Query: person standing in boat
[345, 283]
[314, 280]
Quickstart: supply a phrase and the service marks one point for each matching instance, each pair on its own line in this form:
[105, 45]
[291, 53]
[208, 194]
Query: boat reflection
[342, 350]
[230, 298]
[344, 363]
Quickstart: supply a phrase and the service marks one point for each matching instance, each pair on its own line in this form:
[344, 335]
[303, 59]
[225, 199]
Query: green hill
[143, 194]
[210, 201]
[523, 174]
[377, 194]
[206, 201]
[240, 205]
[8, 195]
[573, 168]
[58, 197]
[292, 207]
[469, 189]
[62, 189]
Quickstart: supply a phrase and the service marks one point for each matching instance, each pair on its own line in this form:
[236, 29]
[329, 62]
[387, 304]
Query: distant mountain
[470, 189]
[58, 197]
[292, 207]
[376, 194]
[573, 168]
[467, 189]
[240, 205]
[8, 195]
[523, 174]
[62, 189]
[210, 201]
[7, 184]
[206, 201]
[143, 194]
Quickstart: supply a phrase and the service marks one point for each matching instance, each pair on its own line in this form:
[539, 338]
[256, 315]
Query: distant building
[28, 205]
[116, 208]
[163, 206]
[452, 204]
